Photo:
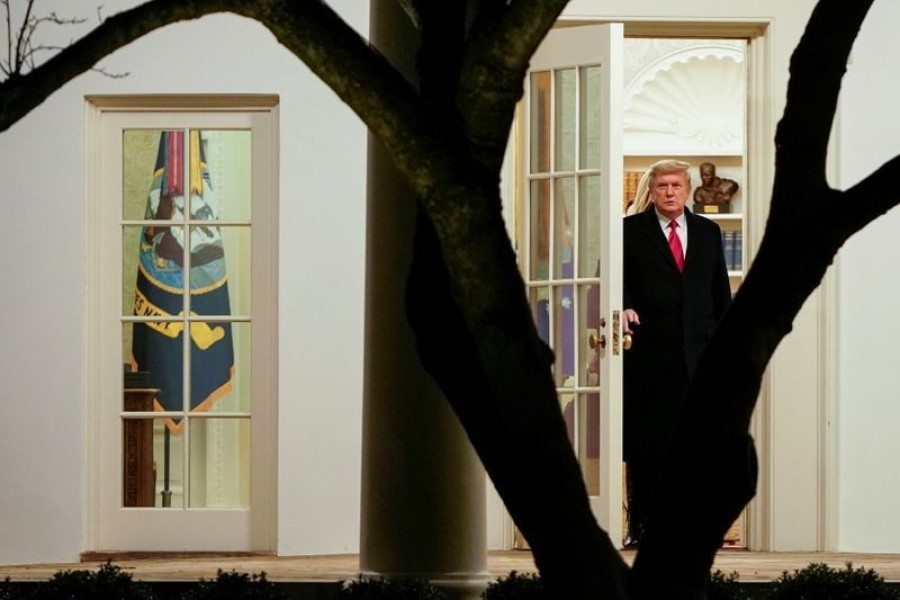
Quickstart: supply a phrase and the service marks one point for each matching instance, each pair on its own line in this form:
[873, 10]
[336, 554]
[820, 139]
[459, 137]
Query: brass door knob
[626, 341]
[594, 341]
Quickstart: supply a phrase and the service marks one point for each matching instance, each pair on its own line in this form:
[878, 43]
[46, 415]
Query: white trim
[759, 172]
[92, 323]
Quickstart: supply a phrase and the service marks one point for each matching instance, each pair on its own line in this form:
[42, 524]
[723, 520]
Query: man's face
[706, 174]
[669, 192]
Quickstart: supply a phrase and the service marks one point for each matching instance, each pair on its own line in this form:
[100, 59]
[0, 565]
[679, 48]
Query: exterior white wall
[322, 214]
[869, 294]
[43, 460]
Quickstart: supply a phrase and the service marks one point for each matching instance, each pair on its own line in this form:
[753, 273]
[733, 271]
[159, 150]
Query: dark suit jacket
[678, 313]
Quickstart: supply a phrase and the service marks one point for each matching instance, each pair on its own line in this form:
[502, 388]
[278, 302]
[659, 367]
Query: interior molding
[690, 100]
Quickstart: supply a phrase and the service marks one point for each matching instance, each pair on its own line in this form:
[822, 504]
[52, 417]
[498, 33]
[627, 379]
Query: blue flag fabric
[158, 346]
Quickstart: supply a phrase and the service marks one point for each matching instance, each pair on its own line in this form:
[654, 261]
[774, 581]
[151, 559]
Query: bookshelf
[731, 223]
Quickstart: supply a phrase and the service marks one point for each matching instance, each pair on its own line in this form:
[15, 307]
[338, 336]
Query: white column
[423, 488]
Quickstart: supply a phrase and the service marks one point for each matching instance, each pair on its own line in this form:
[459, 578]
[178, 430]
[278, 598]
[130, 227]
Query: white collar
[664, 220]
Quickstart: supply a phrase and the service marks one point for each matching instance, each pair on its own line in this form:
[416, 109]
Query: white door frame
[769, 509]
[146, 529]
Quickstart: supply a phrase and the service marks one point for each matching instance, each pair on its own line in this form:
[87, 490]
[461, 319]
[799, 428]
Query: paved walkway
[750, 566]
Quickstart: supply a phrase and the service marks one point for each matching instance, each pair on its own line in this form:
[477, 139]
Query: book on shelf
[732, 248]
[728, 249]
[630, 183]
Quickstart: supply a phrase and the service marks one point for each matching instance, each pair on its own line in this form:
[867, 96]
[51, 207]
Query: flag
[157, 346]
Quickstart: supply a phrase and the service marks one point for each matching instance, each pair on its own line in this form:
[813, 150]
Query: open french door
[571, 238]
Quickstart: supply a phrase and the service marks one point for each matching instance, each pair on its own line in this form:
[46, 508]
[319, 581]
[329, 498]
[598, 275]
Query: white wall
[870, 293]
[42, 305]
[322, 214]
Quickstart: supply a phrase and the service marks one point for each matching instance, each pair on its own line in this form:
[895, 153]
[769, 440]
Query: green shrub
[516, 587]
[235, 586]
[725, 587]
[6, 591]
[820, 582]
[107, 583]
[397, 588]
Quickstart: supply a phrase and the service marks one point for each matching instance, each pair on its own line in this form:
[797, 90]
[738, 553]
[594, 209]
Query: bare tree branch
[868, 199]
[711, 469]
[501, 43]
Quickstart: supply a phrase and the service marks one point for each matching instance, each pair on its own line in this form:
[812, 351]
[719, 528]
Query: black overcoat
[678, 313]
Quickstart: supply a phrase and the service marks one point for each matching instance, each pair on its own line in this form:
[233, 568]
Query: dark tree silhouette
[466, 299]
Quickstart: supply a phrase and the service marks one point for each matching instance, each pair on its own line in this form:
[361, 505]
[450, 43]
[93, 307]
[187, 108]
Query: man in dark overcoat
[676, 291]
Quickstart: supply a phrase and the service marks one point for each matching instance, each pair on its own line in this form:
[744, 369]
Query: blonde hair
[642, 196]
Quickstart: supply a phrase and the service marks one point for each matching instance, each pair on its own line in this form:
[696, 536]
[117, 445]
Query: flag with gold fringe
[172, 260]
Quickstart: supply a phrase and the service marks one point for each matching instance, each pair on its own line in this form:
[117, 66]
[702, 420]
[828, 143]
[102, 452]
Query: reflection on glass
[564, 108]
[588, 449]
[539, 300]
[589, 226]
[540, 229]
[151, 458]
[564, 238]
[589, 143]
[564, 335]
[540, 122]
[220, 463]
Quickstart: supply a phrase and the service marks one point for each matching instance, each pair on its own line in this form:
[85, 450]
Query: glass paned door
[572, 265]
[185, 395]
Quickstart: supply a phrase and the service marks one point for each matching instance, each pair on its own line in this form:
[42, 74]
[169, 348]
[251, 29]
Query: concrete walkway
[750, 566]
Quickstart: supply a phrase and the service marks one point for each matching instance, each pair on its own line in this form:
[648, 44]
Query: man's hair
[669, 165]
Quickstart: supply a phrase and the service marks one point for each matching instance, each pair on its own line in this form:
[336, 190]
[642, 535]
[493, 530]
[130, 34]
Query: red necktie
[675, 246]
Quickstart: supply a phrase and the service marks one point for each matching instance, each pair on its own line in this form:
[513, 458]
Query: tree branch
[502, 40]
[711, 466]
[817, 67]
[22, 93]
[869, 199]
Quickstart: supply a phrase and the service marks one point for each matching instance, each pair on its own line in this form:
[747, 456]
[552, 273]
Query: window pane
[220, 463]
[539, 299]
[148, 188]
[564, 131]
[220, 270]
[589, 325]
[220, 366]
[567, 406]
[540, 122]
[540, 229]
[153, 355]
[588, 450]
[220, 174]
[589, 216]
[564, 335]
[151, 459]
[564, 238]
[589, 143]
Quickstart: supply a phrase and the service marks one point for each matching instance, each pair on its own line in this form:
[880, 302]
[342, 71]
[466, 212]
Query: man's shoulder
[637, 219]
